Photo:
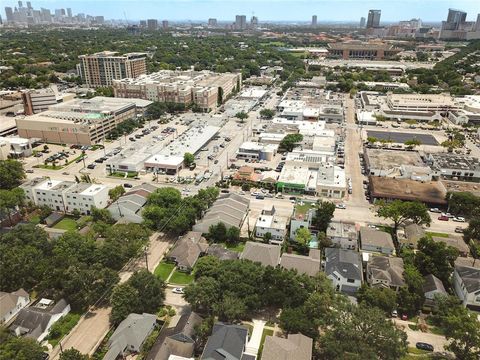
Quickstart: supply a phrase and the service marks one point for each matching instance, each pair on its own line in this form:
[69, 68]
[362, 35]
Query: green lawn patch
[35, 220]
[303, 209]
[413, 350]
[238, 247]
[66, 223]
[437, 234]
[181, 278]
[62, 327]
[121, 174]
[264, 335]
[163, 270]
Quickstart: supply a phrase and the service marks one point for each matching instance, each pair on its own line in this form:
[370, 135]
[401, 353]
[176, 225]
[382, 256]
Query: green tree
[233, 235]
[166, 197]
[203, 293]
[463, 203]
[267, 113]
[303, 236]
[73, 354]
[124, 300]
[188, 159]
[290, 140]
[151, 290]
[402, 211]
[372, 140]
[242, 116]
[363, 333]
[206, 266]
[323, 215]
[472, 232]
[156, 110]
[11, 174]
[10, 200]
[116, 192]
[295, 320]
[102, 215]
[20, 348]
[230, 309]
[217, 233]
[410, 298]
[412, 143]
[267, 237]
[382, 298]
[462, 328]
[435, 258]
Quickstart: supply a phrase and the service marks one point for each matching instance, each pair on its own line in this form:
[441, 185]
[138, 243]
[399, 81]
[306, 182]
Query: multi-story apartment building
[80, 121]
[100, 69]
[66, 196]
[35, 101]
[180, 87]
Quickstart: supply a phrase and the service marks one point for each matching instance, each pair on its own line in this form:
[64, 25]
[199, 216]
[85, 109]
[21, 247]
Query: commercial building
[362, 50]
[362, 22]
[431, 193]
[35, 101]
[454, 166]
[469, 113]
[396, 164]
[185, 88]
[373, 20]
[15, 147]
[170, 159]
[101, 68]
[212, 22]
[66, 196]
[420, 102]
[253, 150]
[152, 24]
[240, 22]
[269, 222]
[456, 27]
[80, 121]
[314, 20]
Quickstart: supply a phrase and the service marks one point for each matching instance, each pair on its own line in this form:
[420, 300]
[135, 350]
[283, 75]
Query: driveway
[438, 341]
[255, 340]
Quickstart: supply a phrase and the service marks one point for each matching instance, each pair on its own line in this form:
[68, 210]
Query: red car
[443, 218]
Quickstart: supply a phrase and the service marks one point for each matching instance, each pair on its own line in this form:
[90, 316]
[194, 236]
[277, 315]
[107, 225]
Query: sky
[265, 10]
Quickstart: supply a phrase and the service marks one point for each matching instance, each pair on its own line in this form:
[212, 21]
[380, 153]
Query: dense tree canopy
[11, 174]
[402, 211]
[290, 140]
[323, 215]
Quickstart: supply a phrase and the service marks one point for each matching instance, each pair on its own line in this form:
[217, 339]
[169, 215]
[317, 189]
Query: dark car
[127, 185]
[424, 346]
[91, 166]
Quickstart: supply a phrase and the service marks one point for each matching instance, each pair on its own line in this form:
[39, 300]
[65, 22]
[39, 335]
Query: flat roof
[49, 184]
[431, 192]
[387, 159]
[401, 137]
[190, 141]
[421, 99]
[455, 161]
[255, 93]
[294, 173]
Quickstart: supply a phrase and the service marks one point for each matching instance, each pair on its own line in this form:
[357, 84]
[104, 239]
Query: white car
[459, 219]
[340, 206]
[435, 210]
[178, 291]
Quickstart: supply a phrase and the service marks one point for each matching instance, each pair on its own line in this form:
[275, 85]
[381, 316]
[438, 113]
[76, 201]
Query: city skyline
[265, 10]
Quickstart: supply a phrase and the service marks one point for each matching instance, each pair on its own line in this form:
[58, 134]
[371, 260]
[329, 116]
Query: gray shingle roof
[470, 277]
[344, 262]
[130, 332]
[227, 342]
[374, 237]
[265, 254]
[387, 268]
[295, 347]
[188, 249]
[303, 264]
[432, 283]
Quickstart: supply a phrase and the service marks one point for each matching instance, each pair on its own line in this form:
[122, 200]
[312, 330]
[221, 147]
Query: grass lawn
[264, 335]
[62, 328]
[163, 270]
[302, 209]
[121, 174]
[35, 219]
[238, 247]
[181, 278]
[437, 234]
[414, 350]
[66, 224]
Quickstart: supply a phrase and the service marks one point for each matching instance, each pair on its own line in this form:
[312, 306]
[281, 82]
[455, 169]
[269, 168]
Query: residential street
[92, 328]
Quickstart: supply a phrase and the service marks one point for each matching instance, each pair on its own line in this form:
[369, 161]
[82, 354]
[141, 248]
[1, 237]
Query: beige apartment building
[80, 121]
[180, 87]
[420, 102]
[100, 69]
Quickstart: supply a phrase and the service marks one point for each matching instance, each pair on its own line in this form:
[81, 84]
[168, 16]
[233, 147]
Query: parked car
[340, 206]
[459, 229]
[435, 210]
[394, 313]
[450, 216]
[29, 171]
[459, 219]
[443, 218]
[424, 346]
[178, 290]
[215, 162]
[127, 185]
[91, 166]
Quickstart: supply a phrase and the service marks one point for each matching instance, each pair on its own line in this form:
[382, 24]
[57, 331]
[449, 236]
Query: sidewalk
[254, 344]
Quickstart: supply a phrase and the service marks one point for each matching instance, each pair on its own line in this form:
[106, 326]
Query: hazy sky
[332, 10]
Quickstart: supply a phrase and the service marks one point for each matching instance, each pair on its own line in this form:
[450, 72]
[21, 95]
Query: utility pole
[146, 257]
